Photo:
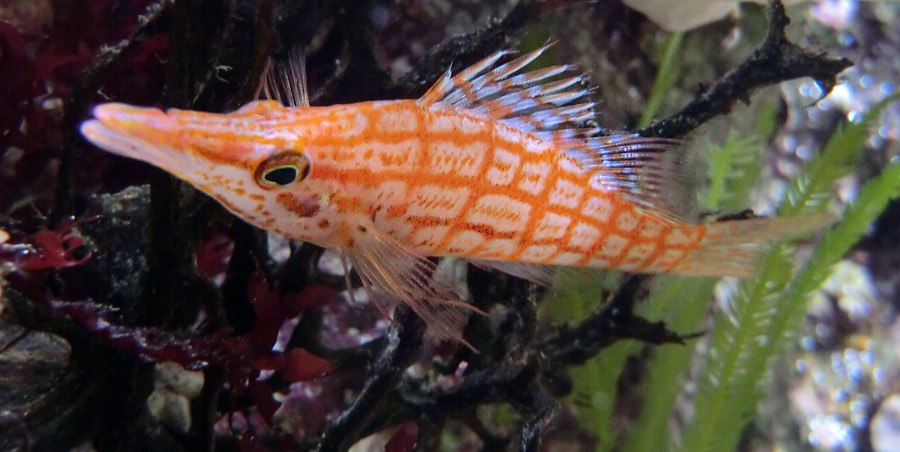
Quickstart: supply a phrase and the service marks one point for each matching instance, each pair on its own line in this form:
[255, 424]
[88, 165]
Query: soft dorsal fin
[284, 80]
[641, 169]
[553, 104]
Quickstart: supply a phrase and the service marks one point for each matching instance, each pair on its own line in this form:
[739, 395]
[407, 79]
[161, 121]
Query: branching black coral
[776, 60]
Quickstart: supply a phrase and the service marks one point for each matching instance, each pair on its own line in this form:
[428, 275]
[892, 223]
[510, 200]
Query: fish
[497, 164]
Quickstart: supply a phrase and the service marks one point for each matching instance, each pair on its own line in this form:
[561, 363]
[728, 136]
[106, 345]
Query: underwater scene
[449, 225]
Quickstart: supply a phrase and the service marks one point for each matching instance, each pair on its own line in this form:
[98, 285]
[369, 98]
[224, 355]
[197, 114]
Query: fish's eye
[283, 175]
[282, 170]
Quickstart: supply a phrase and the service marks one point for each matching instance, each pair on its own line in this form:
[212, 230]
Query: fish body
[493, 164]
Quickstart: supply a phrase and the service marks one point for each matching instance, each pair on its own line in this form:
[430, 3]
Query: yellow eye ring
[282, 170]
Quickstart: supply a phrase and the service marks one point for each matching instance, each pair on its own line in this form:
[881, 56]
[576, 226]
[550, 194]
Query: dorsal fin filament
[284, 80]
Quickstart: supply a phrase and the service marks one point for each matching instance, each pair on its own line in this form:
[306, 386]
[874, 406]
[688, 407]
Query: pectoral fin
[384, 263]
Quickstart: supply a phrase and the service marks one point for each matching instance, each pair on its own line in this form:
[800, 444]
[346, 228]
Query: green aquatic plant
[812, 189]
[683, 303]
[665, 78]
[733, 171]
[766, 311]
[758, 320]
[594, 383]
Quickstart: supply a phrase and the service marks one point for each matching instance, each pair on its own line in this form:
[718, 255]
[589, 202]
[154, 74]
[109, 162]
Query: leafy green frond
[811, 190]
[595, 389]
[728, 391]
[870, 202]
[733, 171]
[665, 78]
[767, 310]
[771, 311]
[873, 197]
[682, 303]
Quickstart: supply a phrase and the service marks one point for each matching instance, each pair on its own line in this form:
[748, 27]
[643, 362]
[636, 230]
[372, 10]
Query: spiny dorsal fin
[284, 80]
[542, 101]
[554, 105]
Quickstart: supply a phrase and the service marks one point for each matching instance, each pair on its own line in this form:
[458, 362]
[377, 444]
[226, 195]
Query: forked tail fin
[733, 248]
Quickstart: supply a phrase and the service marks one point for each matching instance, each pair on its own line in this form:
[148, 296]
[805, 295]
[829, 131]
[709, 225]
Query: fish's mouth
[113, 141]
[133, 132]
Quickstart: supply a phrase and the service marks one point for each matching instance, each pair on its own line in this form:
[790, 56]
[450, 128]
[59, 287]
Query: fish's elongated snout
[137, 121]
[138, 132]
[126, 130]
[174, 140]
[147, 134]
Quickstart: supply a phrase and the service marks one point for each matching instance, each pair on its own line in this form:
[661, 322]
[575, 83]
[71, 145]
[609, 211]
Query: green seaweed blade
[766, 311]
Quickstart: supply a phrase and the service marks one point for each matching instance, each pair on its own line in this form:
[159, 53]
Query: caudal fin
[733, 248]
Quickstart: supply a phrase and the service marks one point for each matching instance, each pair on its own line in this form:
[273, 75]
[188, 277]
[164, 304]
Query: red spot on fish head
[299, 206]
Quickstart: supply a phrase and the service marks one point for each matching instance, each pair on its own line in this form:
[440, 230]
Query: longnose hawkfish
[494, 164]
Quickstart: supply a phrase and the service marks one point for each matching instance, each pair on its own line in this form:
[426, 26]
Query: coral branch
[404, 340]
[776, 60]
[574, 345]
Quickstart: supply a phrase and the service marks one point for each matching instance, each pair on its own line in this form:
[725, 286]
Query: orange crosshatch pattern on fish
[494, 164]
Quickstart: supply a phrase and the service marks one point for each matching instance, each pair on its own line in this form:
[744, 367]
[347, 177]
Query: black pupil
[281, 176]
